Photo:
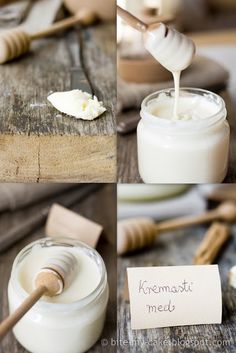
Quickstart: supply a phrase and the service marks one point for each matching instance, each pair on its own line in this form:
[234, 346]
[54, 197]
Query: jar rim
[180, 124]
[78, 304]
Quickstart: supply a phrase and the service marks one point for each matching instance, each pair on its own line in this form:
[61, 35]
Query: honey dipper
[16, 42]
[51, 280]
[137, 233]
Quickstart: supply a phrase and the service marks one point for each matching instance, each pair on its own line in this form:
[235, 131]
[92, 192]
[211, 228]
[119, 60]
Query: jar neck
[183, 126]
[60, 307]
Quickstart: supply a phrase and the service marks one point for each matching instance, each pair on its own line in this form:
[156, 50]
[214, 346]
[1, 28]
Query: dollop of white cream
[77, 103]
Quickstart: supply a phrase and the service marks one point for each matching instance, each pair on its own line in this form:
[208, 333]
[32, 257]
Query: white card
[174, 296]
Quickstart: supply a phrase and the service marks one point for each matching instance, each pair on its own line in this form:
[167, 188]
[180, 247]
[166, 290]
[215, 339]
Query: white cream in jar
[190, 149]
[71, 322]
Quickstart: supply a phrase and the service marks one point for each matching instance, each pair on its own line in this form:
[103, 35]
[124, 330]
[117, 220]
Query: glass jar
[57, 327]
[178, 151]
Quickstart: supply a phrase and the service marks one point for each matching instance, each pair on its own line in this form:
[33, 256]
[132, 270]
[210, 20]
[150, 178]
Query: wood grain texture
[178, 248]
[127, 149]
[57, 159]
[56, 65]
[99, 206]
[127, 158]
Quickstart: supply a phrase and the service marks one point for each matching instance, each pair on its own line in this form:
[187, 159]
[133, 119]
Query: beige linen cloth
[203, 73]
[15, 196]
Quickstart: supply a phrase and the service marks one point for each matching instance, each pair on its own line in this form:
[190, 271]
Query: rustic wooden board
[178, 249]
[99, 206]
[26, 118]
[127, 149]
[56, 159]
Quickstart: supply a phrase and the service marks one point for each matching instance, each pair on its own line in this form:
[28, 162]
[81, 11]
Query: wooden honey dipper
[51, 280]
[137, 233]
[173, 50]
[16, 42]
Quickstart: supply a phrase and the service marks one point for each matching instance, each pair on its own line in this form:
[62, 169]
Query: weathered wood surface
[178, 248]
[127, 150]
[27, 118]
[127, 159]
[57, 159]
[100, 206]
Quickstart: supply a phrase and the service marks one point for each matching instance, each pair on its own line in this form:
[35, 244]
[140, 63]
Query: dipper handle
[84, 17]
[11, 320]
[132, 20]
[225, 212]
[183, 222]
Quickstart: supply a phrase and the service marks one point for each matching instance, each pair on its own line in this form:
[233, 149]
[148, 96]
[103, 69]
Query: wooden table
[100, 206]
[127, 149]
[37, 144]
[177, 248]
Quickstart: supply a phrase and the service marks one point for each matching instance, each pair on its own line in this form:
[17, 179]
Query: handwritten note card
[174, 295]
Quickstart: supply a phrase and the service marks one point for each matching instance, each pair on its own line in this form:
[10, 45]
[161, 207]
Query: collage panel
[168, 238]
[58, 91]
[176, 91]
[67, 231]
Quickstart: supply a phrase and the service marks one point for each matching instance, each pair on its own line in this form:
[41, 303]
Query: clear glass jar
[177, 151]
[56, 327]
